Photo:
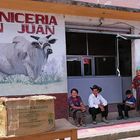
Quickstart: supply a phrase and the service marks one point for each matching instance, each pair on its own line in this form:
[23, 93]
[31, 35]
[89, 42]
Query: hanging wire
[124, 23]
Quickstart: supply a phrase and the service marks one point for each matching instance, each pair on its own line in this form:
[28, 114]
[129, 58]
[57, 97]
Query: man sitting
[97, 104]
[128, 104]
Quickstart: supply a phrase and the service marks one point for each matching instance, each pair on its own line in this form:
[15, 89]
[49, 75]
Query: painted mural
[32, 53]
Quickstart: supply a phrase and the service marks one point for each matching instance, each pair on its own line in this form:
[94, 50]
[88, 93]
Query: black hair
[74, 89]
[128, 92]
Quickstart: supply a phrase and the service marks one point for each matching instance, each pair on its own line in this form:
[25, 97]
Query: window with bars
[96, 54]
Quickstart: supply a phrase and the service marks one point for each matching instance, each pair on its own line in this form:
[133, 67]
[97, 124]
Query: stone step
[114, 130]
[111, 116]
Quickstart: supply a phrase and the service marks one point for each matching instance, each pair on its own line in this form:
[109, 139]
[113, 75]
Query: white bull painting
[25, 57]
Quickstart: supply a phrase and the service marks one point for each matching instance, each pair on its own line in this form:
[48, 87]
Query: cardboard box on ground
[28, 115]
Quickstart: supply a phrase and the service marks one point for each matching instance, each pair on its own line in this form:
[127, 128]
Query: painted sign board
[32, 53]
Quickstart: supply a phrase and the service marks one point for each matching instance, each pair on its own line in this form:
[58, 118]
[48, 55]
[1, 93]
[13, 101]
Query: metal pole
[118, 64]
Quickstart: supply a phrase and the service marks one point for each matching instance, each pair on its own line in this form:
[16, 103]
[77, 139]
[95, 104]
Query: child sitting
[128, 104]
[77, 108]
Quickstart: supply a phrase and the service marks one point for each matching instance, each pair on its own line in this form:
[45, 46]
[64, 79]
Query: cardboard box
[28, 115]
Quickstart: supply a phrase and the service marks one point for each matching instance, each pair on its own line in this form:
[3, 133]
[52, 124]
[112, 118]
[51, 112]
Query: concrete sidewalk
[132, 138]
[115, 130]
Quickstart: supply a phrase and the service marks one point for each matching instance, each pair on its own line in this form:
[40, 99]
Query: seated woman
[97, 104]
[77, 108]
[128, 104]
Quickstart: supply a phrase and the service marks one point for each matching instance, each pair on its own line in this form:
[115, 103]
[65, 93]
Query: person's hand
[83, 108]
[130, 105]
[102, 107]
[132, 86]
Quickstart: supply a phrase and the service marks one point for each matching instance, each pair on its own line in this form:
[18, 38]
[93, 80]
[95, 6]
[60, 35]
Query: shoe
[84, 125]
[119, 118]
[105, 120]
[78, 125]
[126, 117]
[94, 122]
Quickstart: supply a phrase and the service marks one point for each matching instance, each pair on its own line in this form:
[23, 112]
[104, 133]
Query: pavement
[132, 138]
[114, 130]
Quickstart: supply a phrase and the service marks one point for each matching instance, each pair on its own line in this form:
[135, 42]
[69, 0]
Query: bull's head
[44, 43]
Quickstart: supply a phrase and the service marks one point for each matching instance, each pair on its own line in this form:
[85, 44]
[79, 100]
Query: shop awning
[128, 36]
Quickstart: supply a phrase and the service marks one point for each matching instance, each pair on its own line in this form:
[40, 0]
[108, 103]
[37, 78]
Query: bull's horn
[35, 37]
[48, 36]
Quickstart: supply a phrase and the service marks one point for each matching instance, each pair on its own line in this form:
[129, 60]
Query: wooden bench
[63, 129]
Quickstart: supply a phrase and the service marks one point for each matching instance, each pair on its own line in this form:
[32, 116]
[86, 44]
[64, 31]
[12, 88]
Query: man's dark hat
[96, 87]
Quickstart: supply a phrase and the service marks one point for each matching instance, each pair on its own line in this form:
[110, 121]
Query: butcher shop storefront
[48, 49]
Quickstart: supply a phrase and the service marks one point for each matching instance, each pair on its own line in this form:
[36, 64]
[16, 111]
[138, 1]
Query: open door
[131, 37]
